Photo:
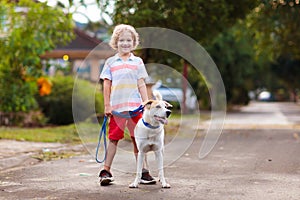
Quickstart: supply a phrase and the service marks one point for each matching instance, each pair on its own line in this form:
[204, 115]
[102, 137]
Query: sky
[81, 13]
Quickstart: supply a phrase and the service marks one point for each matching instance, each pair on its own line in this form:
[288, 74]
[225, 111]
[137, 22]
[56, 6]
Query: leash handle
[102, 133]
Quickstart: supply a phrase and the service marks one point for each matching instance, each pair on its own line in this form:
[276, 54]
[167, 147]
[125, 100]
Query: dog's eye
[169, 107]
[158, 106]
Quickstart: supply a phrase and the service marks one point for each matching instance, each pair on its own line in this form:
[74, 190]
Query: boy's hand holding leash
[108, 110]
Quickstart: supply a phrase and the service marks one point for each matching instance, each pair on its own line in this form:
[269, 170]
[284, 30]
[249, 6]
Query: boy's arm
[106, 96]
[142, 89]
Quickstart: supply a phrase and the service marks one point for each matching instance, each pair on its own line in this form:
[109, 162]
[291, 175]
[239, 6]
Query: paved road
[265, 114]
[247, 163]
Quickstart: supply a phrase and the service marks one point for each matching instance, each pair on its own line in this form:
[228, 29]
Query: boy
[124, 90]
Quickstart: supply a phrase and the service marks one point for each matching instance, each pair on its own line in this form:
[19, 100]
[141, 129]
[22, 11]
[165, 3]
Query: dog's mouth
[162, 120]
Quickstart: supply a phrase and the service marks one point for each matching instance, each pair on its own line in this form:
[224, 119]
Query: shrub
[57, 106]
[32, 118]
[24, 37]
[16, 95]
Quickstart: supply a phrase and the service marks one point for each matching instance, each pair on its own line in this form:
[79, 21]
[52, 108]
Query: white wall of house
[88, 69]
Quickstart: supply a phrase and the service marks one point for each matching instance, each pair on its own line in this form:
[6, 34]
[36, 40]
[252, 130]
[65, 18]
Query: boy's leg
[116, 132]
[105, 174]
[146, 177]
[131, 125]
[135, 149]
[110, 154]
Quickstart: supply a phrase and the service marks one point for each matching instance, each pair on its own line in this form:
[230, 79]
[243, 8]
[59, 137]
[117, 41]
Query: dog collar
[149, 125]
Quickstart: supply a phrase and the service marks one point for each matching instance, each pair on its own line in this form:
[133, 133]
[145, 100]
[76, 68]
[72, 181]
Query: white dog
[149, 136]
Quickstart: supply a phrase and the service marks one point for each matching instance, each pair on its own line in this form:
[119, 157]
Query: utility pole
[184, 86]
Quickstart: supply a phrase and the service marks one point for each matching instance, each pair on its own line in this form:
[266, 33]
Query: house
[86, 55]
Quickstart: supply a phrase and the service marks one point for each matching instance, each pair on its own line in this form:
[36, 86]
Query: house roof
[80, 47]
[81, 41]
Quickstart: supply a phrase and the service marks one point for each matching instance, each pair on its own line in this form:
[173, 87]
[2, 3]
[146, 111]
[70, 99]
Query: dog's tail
[157, 95]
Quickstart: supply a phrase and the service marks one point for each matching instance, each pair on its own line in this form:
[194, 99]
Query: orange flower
[44, 86]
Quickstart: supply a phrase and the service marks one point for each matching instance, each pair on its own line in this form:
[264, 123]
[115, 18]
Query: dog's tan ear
[147, 104]
[168, 105]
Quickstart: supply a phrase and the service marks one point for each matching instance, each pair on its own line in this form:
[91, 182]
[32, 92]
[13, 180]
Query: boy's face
[125, 42]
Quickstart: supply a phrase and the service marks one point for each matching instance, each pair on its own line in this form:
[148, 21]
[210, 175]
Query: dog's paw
[133, 185]
[166, 185]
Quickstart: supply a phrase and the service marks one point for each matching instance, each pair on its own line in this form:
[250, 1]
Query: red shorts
[118, 124]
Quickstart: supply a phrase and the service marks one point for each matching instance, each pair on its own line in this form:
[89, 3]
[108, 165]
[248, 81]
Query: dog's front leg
[139, 169]
[159, 159]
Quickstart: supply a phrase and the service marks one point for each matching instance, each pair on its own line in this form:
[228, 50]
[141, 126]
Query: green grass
[89, 132]
[62, 134]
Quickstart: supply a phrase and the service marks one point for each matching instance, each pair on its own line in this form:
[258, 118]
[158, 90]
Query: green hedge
[57, 106]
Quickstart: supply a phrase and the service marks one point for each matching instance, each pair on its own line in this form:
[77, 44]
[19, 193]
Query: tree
[199, 19]
[233, 53]
[27, 30]
[287, 70]
[81, 8]
[202, 20]
[276, 31]
[276, 28]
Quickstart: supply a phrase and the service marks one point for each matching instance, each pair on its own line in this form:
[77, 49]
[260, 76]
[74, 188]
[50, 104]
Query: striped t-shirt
[124, 75]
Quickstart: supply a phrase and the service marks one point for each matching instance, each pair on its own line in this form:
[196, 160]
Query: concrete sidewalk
[18, 154]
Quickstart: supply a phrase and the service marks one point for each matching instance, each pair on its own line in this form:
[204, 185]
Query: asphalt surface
[256, 157]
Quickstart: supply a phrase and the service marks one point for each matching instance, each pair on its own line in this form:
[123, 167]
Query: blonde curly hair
[116, 34]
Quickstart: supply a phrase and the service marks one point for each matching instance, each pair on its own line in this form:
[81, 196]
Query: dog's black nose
[168, 112]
